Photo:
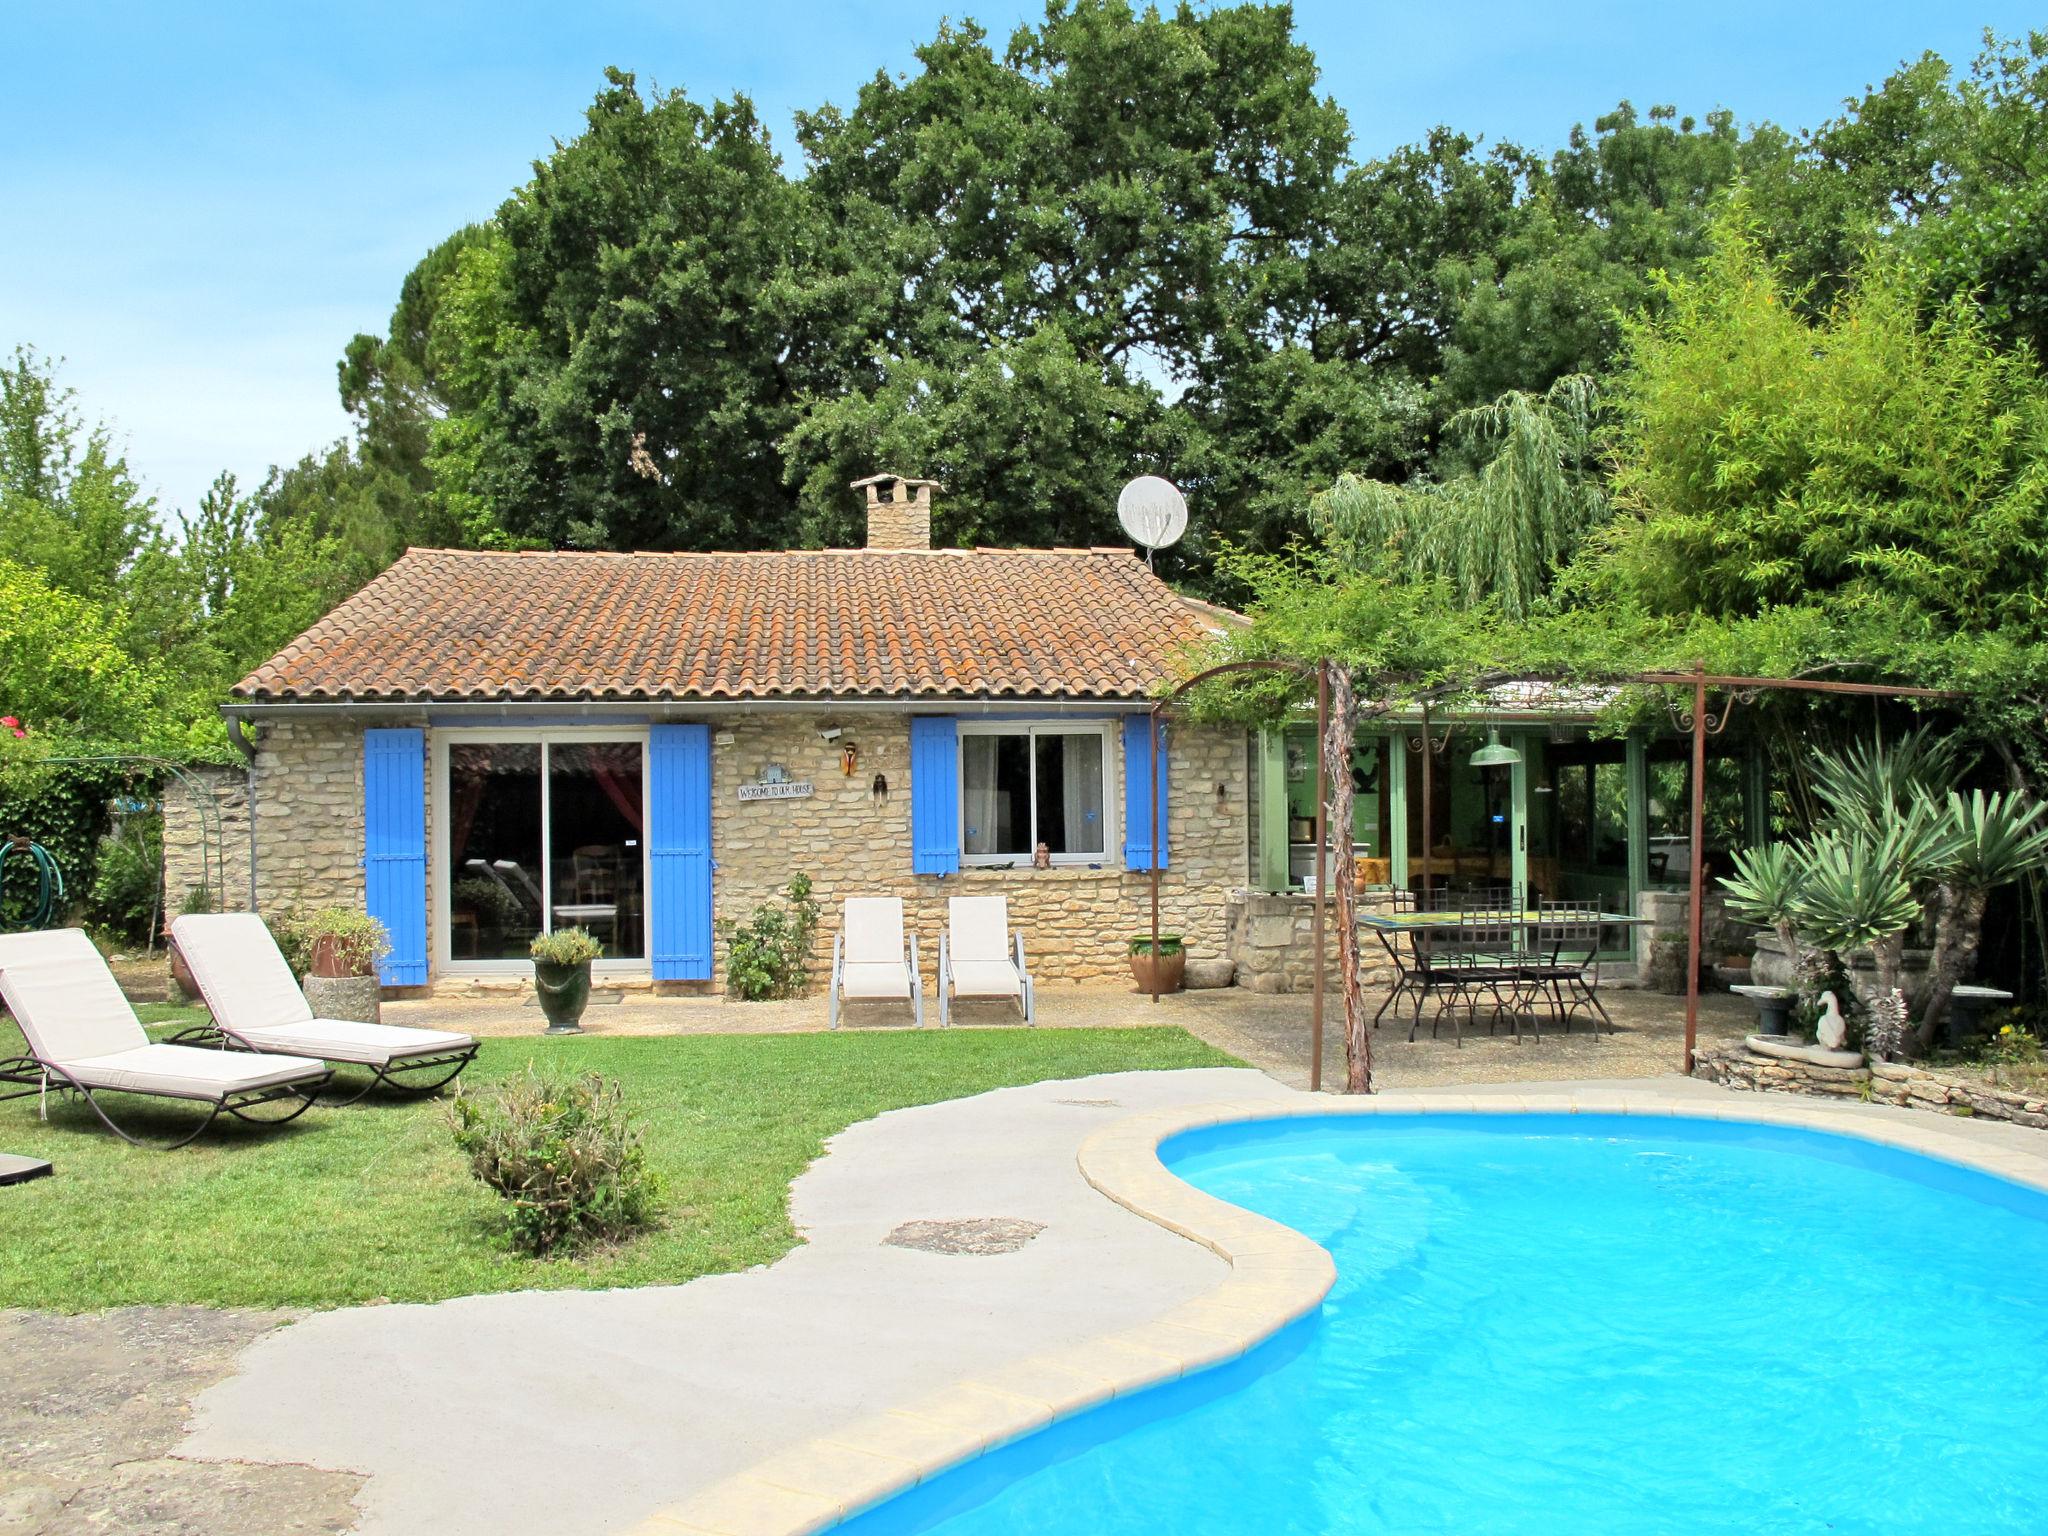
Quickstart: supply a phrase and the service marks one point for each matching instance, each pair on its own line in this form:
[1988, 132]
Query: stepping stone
[19, 1170]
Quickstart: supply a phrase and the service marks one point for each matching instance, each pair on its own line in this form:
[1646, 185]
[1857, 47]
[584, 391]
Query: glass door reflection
[594, 843]
[495, 900]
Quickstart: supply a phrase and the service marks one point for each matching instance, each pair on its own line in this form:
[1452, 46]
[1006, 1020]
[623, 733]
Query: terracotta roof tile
[461, 625]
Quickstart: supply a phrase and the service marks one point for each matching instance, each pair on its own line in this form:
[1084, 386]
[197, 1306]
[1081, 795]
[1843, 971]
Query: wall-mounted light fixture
[880, 790]
[849, 758]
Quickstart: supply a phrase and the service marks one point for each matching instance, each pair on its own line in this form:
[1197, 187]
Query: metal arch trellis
[1698, 721]
[212, 843]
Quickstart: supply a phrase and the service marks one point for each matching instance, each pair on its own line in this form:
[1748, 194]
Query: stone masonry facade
[1076, 920]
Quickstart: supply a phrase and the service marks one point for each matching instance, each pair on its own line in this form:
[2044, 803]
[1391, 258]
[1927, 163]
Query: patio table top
[1408, 922]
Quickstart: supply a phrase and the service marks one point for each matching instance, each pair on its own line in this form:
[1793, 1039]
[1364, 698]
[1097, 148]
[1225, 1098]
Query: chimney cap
[887, 476]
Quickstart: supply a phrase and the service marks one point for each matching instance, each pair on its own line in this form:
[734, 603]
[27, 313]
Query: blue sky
[201, 201]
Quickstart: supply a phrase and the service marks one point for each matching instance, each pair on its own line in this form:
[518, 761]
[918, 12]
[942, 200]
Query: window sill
[987, 872]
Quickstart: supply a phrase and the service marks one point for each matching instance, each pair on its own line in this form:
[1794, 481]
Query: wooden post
[1315, 1031]
[1338, 746]
[1694, 923]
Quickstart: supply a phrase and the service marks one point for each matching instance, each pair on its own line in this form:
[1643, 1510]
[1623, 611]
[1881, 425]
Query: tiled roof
[466, 625]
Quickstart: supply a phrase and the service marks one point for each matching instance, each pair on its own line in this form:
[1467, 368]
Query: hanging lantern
[1495, 754]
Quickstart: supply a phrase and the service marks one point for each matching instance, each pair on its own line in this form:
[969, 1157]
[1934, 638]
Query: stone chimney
[899, 511]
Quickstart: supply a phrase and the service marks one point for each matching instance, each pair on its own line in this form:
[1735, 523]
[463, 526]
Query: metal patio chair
[871, 962]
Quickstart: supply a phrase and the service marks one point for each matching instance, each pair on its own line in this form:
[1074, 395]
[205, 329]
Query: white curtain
[1081, 791]
[979, 802]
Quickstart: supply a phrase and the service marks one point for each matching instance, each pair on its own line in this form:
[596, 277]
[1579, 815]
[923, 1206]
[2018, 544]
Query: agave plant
[1993, 840]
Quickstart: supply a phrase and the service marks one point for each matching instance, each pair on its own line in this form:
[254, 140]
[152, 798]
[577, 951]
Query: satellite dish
[1153, 512]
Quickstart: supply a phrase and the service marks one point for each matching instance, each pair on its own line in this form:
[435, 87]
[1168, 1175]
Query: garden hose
[49, 879]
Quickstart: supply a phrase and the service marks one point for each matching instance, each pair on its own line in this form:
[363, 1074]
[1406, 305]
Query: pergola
[1697, 721]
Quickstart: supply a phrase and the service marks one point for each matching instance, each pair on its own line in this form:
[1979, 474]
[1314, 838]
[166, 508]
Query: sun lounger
[256, 1004]
[980, 958]
[870, 960]
[84, 1038]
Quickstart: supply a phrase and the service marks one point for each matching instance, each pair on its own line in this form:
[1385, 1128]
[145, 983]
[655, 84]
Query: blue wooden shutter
[1141, 779]
[679, 850]
[395, 848]
[934, 795]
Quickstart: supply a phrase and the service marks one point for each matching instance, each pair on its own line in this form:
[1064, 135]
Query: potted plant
[1158, 968]
[343, 942]
[561, 976]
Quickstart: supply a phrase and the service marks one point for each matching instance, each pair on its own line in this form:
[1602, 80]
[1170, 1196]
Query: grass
[372, 1201]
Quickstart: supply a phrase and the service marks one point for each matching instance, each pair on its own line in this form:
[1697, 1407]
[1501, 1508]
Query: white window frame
[1035, 728]
[442, 738]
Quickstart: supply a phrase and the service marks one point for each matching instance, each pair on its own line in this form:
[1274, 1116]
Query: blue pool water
[1581, 1325]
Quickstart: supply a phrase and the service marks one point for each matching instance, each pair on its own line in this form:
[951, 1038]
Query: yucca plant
[1765, 890]
[1993, 840]
[1866, 780]
[1855, 896]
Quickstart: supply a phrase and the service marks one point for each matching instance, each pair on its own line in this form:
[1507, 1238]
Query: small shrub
[565, 1154]
[769, 955]
[1169, 944]
[565, 946]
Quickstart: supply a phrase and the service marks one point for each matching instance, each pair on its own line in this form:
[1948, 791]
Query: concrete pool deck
[777, 1399]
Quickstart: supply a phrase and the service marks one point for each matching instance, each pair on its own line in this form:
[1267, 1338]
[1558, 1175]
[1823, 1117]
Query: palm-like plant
[1855, 896]
[1868, 779]
[1765, 889]
[1992, 840]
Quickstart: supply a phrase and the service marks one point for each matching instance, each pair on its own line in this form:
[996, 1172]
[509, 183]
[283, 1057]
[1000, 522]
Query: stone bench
[1966, 1009]
[1773, 1007]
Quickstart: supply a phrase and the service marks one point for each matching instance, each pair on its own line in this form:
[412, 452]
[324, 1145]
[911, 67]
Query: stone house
[479, 746]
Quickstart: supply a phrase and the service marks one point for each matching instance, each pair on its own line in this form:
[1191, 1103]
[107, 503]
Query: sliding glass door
[540, 830]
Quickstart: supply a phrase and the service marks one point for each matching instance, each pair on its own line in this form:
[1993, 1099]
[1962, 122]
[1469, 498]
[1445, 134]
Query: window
[1022, 785]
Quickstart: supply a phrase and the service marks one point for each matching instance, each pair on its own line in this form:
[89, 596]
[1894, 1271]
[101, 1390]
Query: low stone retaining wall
[1270, 939]
[1884, 1082]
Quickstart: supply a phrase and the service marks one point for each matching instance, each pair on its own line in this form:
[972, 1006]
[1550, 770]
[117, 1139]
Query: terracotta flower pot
[1172, 970]
[330, 958]
[181, 973]
[564, 992]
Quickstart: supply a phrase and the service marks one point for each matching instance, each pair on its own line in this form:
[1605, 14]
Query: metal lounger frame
[35, 1077]
[387, 1075]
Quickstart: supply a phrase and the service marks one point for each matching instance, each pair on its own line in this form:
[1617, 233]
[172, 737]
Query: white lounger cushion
[64, 997]
[252, 994]
[76, 1018]
[986, 978]
[241, 972]
[373, 1045]
[979, 928]
[189, 1071]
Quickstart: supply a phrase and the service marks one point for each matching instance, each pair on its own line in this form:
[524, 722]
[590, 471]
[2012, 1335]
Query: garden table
[1462, 952]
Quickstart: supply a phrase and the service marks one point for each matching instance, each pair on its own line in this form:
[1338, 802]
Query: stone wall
[309, 820]
[1271, 940]
[1076, 921]
[1661, 946]
[206, 837]
[1883, 1082]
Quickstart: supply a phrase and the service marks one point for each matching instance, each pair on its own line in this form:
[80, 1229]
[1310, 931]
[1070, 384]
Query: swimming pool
[1550, 1324]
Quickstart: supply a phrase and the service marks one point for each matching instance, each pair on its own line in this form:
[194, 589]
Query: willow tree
[1499, 528]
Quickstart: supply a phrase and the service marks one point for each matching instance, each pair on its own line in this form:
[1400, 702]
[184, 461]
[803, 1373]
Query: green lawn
[372, 1201]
